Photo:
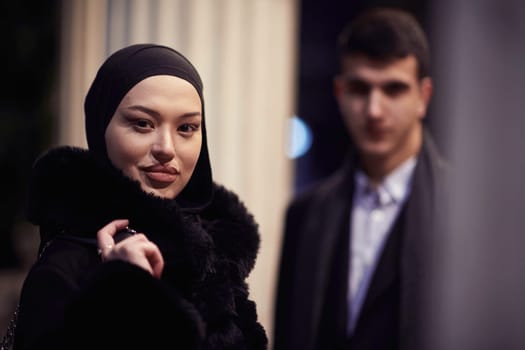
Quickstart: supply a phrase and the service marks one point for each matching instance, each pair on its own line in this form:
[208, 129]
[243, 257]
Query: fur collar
[70, 192]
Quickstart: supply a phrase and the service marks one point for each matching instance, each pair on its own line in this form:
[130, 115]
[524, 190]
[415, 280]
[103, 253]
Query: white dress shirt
[373, 214]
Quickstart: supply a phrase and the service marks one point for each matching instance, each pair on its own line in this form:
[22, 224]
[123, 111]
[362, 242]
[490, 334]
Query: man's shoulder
[433, 158]
[324, 189]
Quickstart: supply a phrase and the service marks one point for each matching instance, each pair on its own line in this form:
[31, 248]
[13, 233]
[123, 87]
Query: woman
[176, 277]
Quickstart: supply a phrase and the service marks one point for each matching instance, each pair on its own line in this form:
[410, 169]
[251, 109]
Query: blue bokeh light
[299, 137]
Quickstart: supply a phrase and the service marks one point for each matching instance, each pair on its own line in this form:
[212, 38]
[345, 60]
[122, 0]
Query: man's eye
[395, 89]
[357, 88]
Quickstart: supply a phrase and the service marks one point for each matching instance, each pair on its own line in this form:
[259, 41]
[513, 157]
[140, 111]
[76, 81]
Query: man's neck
[377, 168]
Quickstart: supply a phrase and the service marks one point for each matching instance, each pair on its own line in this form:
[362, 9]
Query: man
[355, 250]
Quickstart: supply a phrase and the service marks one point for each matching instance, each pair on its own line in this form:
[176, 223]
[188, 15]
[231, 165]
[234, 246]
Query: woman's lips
[161, 177]
[160, 173]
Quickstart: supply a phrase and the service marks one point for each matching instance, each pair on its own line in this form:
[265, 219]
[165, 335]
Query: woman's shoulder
[68, 256]
[60, 156]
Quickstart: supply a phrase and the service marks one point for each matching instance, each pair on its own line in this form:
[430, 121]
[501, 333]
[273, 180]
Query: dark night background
[29, 57]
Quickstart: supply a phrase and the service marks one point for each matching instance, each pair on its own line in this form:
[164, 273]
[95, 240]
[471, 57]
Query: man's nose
[375, 104]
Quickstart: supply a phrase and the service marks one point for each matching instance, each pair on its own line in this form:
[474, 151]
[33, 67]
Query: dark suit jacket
[311, 309]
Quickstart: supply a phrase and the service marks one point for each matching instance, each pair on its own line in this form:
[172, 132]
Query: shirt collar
[395, 187]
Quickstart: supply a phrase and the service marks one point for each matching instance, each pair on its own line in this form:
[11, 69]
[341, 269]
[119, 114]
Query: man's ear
[426, 88]
[338, 85]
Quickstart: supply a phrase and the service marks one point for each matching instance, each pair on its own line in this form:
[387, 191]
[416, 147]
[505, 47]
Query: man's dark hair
[386, 34]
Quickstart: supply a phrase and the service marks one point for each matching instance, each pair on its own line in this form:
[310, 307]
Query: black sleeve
[48, 288]
[44, 296]
[126, 308]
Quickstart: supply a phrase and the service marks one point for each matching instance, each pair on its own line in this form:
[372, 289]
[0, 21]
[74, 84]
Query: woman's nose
[163, 149]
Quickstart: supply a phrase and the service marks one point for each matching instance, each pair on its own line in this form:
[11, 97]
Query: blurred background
[274, 127]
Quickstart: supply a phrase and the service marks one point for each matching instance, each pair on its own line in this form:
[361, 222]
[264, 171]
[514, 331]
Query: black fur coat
[72, 300]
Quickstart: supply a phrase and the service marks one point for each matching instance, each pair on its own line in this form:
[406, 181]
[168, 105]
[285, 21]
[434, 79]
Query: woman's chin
[160, 192]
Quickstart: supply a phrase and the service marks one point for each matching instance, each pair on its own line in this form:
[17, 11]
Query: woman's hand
[135, 249]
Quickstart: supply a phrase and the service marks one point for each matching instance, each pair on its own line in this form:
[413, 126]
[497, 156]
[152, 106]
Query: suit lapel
[331, 256]
[430, 178]
[404, 251]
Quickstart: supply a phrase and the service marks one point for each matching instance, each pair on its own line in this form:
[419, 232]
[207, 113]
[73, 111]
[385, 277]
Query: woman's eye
[143, 124]
[188, 128]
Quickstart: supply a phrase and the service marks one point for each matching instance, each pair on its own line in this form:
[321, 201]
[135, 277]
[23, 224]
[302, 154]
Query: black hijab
[117, 75]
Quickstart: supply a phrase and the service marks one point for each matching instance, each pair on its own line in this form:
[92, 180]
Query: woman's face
[155, 135]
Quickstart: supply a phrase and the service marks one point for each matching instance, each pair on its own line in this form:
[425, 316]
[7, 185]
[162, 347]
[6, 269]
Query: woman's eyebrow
[156, 114]
[144, 109]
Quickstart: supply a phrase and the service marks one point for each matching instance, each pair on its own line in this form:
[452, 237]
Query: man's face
[383, 104]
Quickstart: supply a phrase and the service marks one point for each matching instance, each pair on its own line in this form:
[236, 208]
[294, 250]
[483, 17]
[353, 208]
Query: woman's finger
[156, 260]
[138, 250]
[145, 253]
[105, 235]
